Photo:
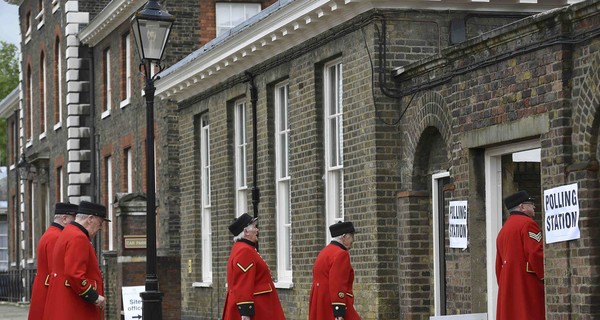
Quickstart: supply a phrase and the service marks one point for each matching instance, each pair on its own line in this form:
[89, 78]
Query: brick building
[377, 112]
[383, 113]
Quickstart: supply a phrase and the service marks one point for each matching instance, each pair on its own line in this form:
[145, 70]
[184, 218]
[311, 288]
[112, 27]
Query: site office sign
[561, 206]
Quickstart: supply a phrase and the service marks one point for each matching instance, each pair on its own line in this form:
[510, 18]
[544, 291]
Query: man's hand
[101, 302]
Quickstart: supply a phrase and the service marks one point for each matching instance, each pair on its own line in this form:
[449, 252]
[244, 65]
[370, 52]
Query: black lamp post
[151, 29]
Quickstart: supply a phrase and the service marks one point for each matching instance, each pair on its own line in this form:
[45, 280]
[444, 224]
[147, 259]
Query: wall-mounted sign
[561, 206]
[457, 226]
[134, 242]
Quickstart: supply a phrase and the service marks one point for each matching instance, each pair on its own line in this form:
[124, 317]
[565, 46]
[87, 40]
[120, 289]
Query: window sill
[42, 136]
[105, 114]
[284, 285]
[40, 25]
[125, 103]
[202, 285]
[57, 126]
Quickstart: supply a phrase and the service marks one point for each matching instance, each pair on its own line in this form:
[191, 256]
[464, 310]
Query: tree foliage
[9, 79]
[9, 68]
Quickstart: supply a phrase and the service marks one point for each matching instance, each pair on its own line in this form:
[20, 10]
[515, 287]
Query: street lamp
[24, 168]
[151, 29]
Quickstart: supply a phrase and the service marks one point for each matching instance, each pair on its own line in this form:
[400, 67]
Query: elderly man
[76, 287]
[64, 213]
[331, 295]
[251, 293]
[520, 262]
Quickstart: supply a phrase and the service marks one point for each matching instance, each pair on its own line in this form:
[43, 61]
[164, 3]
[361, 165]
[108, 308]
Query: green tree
[9, 79]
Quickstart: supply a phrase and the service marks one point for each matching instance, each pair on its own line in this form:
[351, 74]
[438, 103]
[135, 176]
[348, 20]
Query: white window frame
[44, 106]
[30, 114]
[32, 220]
[128, 168]
[40, 15]
[205, 196]
[437, 282]
[126, 41]
[110, 198]
[58, 124]
[282, 187]
[61, 181]
[241, 147]
[107, 84]
[3, 245]
[333, 122]
[224, 14]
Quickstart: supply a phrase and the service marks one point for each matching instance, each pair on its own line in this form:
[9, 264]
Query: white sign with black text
[561, 206]
[132, 302]
[457, 226]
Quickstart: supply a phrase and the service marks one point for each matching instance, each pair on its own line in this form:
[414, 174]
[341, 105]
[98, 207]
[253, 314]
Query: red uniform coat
[520, 270]
[331, 292]
[42, 276]
[76, 280]
[250, 288]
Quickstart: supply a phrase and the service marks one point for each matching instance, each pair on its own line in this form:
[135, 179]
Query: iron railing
[15, 285]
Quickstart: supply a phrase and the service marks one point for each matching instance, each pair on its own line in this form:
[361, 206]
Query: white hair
[338, 238]
[241, 234]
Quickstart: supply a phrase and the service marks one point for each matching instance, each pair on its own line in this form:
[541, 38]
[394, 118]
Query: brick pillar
[414, 255]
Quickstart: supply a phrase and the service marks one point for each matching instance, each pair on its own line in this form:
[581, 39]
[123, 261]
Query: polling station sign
[457, 226]
[561, 206]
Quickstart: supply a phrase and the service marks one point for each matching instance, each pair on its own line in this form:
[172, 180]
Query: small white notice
[561, 206]
[457, 227]
[132, 302]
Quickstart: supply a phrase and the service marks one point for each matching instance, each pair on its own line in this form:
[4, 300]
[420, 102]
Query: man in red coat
[331, 295]
[64, 213]
[76, 287]
[251, 293]
[520, 262]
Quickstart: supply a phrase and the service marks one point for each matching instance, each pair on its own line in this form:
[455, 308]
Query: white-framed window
[230, 14]
[28, 24]
[282, 187]
[128, 168]
[55, 5]
[109, 199]
[40, 15]
[333, 132]
[60, 183]
[241, 144]
[205, 189]
[29, 111]
[3, 245]
[31, 222]
[126, 70]
[58, 100]
[107, 103]
[43, 97]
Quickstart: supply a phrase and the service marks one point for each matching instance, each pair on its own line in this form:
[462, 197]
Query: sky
[9, 23]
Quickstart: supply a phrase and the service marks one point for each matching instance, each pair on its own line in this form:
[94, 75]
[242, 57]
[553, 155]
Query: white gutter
[110, 18]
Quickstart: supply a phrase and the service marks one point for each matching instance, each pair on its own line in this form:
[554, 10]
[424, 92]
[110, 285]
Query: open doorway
[508, 168]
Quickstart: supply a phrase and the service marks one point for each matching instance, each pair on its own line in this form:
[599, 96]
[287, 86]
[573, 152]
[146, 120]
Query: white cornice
[293, 23]
[110, 18]
[10, 103]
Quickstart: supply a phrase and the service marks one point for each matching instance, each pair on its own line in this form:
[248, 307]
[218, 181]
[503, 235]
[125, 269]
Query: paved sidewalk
[13, 311]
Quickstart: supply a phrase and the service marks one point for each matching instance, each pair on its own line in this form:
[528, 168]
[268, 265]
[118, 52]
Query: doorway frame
[494, 208]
